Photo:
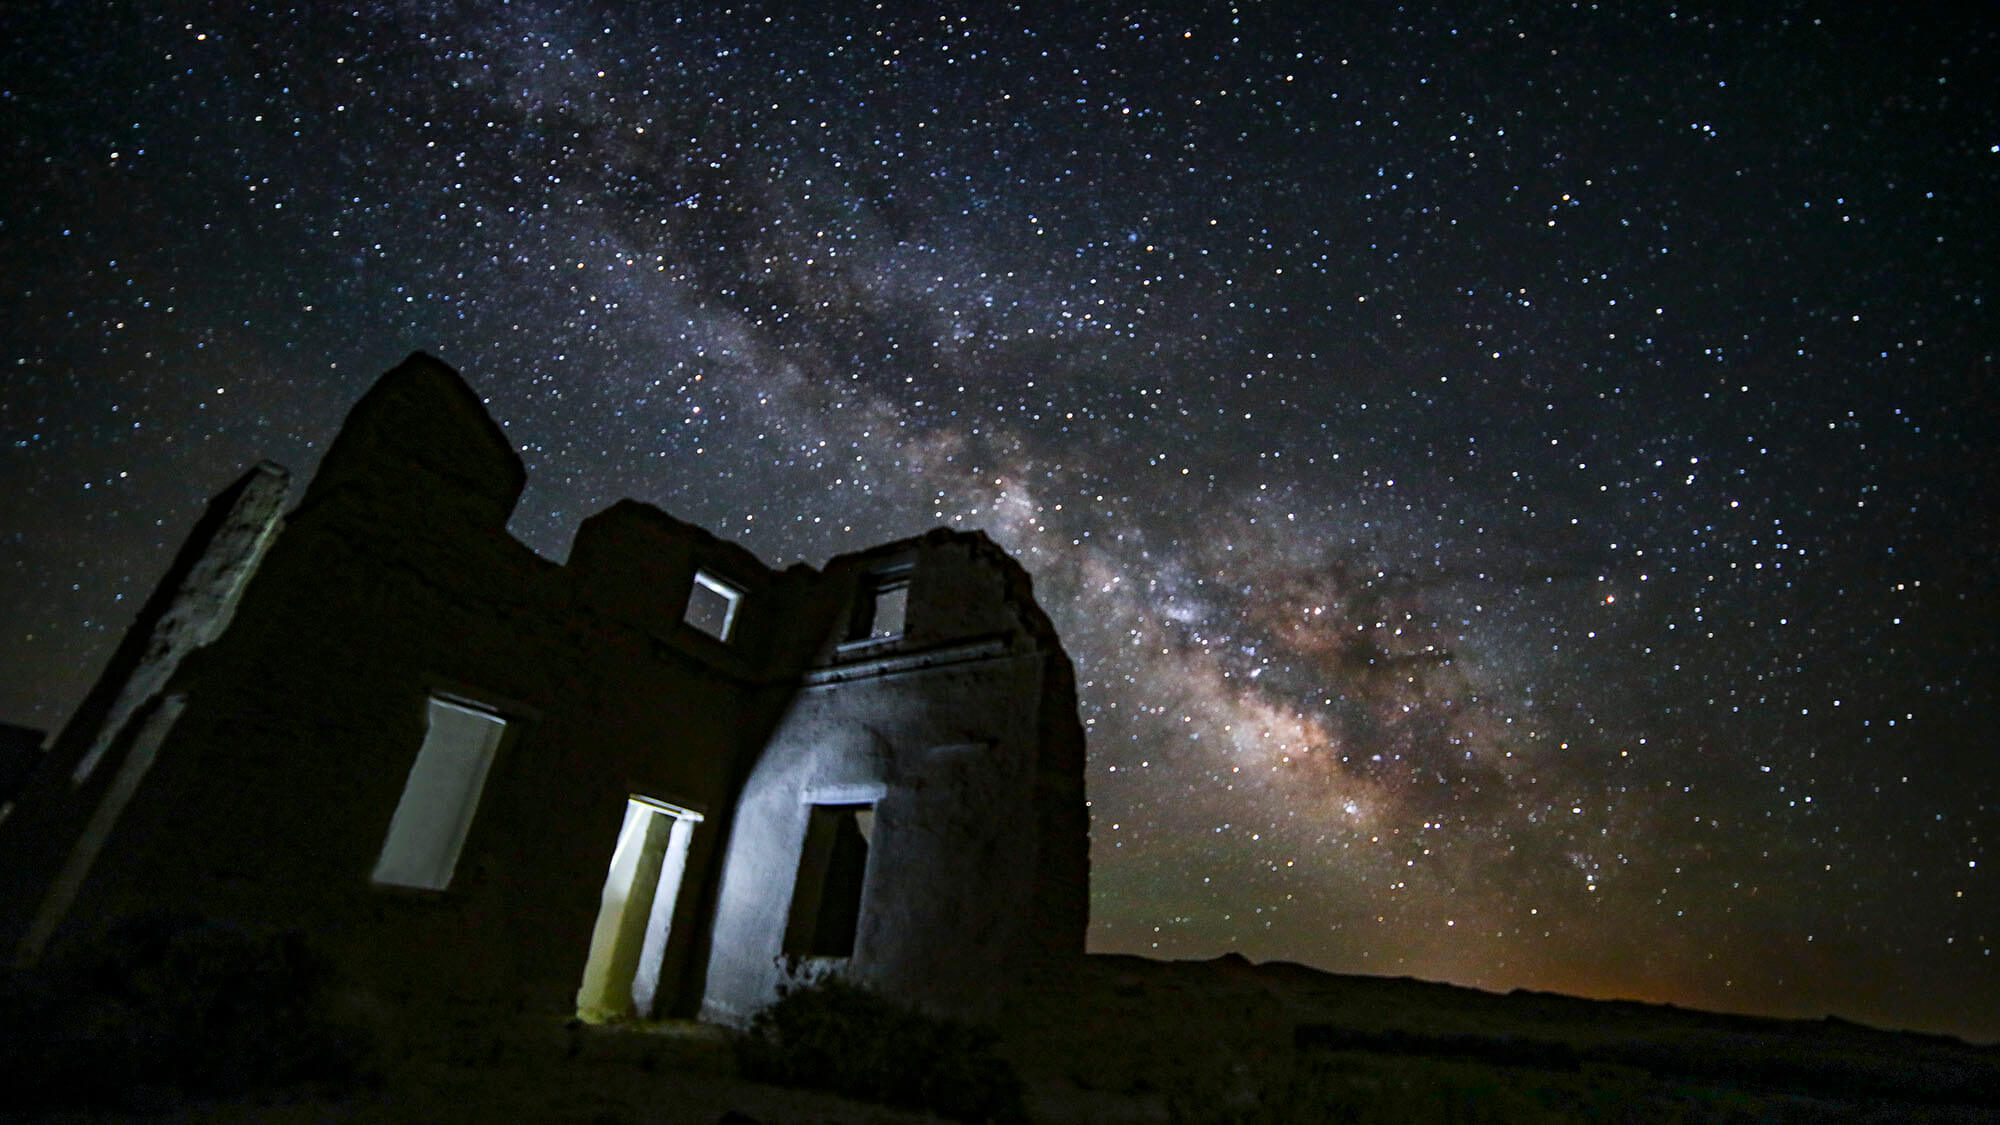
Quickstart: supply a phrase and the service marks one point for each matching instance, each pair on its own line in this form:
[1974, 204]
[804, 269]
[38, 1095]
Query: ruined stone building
[658, 779]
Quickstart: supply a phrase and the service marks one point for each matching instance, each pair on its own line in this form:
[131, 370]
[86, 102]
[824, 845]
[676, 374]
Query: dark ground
[1128, 1040]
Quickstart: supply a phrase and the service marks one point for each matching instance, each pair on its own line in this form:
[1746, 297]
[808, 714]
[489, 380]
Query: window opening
[712, 605]
[880, 611]
[628, 946]
[435, 812]
[833, 868]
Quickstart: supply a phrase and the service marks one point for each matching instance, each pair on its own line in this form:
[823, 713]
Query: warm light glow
[621, 977]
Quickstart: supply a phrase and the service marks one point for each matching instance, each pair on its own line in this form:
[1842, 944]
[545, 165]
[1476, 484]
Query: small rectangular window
[712, 605]
[440, 798]
[881, 608]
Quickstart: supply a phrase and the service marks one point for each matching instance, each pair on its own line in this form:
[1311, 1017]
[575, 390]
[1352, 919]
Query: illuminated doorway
[621, 979]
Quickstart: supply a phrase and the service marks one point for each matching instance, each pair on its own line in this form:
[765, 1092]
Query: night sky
[1516, 481]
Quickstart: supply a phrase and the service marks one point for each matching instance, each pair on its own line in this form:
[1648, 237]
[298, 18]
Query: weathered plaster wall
[191, 606]
[395, 579]
[942, 729]
[273, 793]
[946, 756]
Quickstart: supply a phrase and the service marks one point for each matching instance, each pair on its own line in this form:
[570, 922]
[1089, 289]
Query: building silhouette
[660, 779]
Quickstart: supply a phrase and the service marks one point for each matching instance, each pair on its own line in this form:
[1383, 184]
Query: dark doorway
[833, 867]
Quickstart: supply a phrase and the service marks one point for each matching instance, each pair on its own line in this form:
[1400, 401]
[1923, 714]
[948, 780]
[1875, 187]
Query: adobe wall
[942, 731]
[191, 606]
[395, 579]
[292, 736]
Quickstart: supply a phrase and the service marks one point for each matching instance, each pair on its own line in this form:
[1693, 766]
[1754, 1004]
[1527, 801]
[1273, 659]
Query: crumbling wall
[396, 580]
[192, 606]
[273, 777]
[939, 731]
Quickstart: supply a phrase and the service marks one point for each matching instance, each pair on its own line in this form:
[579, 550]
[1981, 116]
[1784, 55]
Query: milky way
[1517, 487]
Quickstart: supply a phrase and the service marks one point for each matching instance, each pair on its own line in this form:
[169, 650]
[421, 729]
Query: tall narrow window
[712, 605]
[440, 798]
[833, 867]
[881, 606]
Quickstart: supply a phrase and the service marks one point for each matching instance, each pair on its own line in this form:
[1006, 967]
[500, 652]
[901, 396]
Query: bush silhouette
[836, 1036]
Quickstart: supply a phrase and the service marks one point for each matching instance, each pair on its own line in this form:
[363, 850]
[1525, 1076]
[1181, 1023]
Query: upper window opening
[712, 605]
[435, 813]
[880, 611]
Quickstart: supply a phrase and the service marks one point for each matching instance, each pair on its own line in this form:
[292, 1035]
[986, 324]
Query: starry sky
[1515, 480]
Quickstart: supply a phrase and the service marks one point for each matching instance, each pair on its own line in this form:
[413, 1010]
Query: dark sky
[1516, 481]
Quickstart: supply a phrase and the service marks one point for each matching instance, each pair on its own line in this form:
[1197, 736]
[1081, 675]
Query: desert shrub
[837, 1036]
[172, 1006]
